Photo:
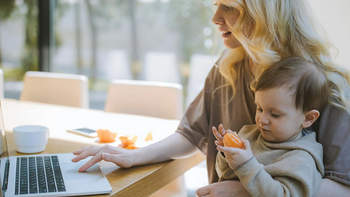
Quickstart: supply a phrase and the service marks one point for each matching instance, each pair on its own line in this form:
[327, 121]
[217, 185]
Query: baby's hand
[236, 156]
[219, 134]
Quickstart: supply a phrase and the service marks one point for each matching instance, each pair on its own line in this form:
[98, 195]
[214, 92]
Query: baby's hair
[304, 79]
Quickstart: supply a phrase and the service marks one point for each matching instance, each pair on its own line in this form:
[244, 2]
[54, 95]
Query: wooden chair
[157, 99]
[56, 88]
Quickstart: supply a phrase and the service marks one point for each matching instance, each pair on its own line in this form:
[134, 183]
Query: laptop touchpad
[70, 171]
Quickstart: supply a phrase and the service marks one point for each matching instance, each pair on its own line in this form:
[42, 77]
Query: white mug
[30, 138]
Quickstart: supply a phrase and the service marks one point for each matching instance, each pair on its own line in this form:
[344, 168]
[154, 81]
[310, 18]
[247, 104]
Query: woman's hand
[236, 156]
[331, 188]
[163, 150]
[223, 189]
[119, 156]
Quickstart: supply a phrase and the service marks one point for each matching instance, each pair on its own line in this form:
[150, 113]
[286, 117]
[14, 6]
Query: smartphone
[84, 131]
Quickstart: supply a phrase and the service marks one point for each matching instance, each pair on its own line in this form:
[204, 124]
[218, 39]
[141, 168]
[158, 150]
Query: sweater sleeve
[293, 175]
[332, 131]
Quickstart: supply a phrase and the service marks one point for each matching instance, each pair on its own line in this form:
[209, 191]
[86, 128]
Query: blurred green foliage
[29, 58]
[6, 8]
[29, 55]
[187, 18]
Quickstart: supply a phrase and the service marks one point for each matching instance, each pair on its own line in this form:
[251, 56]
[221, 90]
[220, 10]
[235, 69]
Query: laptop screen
[4, 157]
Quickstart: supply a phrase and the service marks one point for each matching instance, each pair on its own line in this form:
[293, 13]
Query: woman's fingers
[96, 152]
[109, 157]
[203, 191]
[121, 160]
[88, 151]
[95, 159]
[77, 152]
[116, 155]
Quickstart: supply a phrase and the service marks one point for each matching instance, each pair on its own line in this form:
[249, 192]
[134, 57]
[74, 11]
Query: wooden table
[135, 181]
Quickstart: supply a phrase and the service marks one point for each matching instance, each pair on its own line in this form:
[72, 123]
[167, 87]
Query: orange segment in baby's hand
[106, 136]
[232, 140]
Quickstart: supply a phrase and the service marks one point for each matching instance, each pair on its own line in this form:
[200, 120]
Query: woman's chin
[232, 45]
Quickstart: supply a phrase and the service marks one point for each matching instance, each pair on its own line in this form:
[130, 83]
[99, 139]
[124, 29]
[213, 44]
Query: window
[104, 40]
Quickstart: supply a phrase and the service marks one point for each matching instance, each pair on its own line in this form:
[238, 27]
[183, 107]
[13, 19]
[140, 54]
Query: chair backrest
[157, 99]
[56, 88]
[1, 83]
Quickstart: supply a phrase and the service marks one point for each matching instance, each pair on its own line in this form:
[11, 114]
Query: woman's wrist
[163, 150]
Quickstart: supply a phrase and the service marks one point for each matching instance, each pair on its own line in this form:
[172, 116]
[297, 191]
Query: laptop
[46, 174]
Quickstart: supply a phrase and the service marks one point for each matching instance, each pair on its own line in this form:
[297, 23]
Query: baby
[280, 156]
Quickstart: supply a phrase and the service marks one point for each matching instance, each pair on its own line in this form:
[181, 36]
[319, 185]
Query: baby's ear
[310, 117]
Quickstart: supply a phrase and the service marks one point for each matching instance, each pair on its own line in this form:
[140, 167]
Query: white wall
[334, 16]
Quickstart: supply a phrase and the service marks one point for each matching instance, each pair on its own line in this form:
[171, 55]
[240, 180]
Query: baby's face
[276, 115]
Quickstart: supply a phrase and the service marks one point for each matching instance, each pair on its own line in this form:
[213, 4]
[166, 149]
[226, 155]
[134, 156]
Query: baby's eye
[275, 115]
[259, 109]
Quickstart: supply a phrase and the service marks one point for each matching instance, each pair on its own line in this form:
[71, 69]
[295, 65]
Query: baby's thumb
[246, 144]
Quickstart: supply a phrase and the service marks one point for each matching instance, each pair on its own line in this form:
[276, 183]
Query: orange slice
[106, 136]
[126, 141]
[149, 137]
[131, 147]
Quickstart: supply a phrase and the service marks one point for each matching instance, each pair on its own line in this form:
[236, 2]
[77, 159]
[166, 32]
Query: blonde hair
[283, 28]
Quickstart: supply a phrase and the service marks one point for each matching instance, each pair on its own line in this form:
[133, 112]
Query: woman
[257, 34]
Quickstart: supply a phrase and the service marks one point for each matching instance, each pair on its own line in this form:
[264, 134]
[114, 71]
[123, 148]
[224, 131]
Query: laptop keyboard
[39, 174]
